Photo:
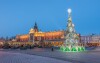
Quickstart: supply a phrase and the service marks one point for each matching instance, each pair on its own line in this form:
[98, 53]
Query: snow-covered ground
[88, 56]
[8, 57]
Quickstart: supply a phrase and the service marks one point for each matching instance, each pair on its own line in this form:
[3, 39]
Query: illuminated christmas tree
[71, 38]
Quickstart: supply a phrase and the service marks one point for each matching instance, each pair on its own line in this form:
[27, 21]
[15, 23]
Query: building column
[31, 37]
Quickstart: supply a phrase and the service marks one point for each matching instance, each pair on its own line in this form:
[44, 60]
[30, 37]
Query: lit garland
[73, 49]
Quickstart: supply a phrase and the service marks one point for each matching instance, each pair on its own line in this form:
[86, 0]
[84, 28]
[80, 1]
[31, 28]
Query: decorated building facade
[36, 35]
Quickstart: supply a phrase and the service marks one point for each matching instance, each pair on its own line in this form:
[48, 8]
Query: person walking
[52, 49]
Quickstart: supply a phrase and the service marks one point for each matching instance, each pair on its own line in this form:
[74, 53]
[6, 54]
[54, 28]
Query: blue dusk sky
[18, 16]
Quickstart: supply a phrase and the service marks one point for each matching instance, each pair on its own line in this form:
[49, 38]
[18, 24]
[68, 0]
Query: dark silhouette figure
[52, 49]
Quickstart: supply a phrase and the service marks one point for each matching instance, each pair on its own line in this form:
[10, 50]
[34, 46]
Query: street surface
[92, 56]
[6, 57]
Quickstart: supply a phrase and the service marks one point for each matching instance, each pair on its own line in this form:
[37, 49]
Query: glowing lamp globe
[69, 10]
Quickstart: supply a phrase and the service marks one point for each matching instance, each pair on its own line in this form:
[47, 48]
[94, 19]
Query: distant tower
[35, 27]
[32, 31]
